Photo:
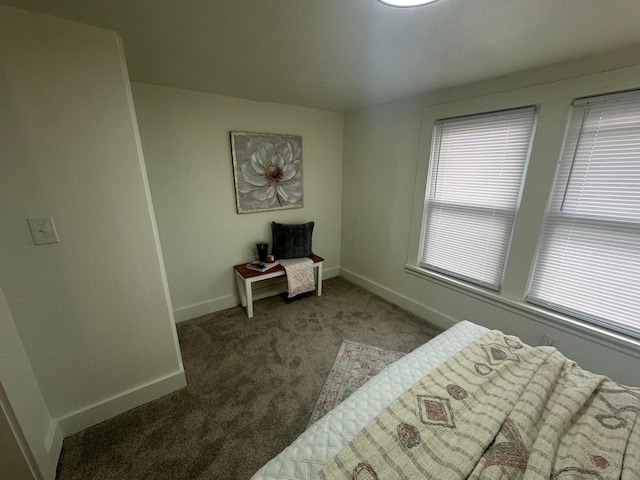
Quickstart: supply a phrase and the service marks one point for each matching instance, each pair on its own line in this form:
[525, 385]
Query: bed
[457, 406]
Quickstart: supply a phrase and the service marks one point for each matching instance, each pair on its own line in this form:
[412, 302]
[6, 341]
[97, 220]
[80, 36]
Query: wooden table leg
[319, 287]
[249, 295]
[246, 293]
[241, 289]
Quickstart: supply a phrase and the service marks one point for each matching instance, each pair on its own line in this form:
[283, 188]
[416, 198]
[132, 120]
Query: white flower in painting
[271, 176]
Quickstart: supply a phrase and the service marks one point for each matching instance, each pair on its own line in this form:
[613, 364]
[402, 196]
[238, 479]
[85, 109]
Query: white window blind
[475, 179]
[588, 261]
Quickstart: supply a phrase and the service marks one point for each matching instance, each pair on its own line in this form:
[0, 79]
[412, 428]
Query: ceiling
[344, 55]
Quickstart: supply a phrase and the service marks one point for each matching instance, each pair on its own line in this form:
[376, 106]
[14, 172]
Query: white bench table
[246, 277]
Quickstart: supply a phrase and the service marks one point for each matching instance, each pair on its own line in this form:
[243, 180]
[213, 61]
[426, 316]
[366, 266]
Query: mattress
[325, 438]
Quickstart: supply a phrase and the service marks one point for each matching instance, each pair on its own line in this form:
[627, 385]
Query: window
[475, 178]
[588, 260]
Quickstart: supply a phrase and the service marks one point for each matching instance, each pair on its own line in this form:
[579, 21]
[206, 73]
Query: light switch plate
[43, 230]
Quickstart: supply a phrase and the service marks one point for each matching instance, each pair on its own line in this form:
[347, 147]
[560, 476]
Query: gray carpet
[252, 385]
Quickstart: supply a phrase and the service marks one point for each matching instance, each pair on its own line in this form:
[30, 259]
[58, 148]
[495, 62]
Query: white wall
[185, 137]
[390, 144]
[92, 311]
[21, 388]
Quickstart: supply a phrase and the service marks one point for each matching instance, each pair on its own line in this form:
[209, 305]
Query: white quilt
[321, 441]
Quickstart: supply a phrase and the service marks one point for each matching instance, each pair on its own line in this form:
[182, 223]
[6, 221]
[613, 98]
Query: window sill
[567, 324]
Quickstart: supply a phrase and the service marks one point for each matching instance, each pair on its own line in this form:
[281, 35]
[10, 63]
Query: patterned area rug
[355, 364]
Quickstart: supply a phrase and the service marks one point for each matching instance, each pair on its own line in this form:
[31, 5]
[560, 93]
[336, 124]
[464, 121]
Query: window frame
[554, 214]
[428, 204]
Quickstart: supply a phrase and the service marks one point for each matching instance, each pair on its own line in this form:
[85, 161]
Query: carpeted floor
[252, 385]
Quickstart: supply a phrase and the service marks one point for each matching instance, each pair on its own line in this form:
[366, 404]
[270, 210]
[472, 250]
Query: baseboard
[54, 437]
[53, 448]
[264, 289]
[183, 314]
[330, 272]
[109, 408]
[432, 316]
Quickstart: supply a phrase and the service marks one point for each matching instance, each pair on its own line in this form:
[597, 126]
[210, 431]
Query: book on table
[261, 266]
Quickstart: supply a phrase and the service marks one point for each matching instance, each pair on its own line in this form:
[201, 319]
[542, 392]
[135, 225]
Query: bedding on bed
[500, 409]
[321, 441]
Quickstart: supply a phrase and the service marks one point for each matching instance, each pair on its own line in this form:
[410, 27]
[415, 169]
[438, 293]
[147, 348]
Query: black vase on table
[263, 251]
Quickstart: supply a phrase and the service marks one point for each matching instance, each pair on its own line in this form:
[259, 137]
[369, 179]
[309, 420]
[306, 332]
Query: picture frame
[267, 171]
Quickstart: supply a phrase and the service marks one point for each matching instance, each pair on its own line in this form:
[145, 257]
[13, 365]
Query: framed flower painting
[267, 171]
